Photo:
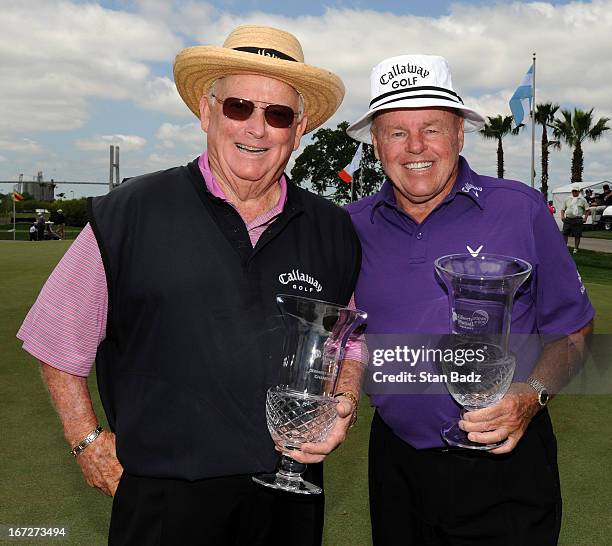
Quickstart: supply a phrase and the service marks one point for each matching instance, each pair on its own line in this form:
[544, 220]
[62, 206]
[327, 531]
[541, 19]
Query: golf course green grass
[42, 486]
[597, 234]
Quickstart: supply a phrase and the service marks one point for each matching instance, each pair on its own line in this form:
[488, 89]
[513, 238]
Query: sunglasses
[276, 115]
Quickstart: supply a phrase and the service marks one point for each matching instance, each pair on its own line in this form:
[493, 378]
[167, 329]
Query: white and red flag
[346, 174]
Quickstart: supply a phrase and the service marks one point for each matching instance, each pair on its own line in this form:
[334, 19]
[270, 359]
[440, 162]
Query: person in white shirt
[573, 214]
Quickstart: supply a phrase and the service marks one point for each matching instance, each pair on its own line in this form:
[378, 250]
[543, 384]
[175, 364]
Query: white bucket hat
[412, 81]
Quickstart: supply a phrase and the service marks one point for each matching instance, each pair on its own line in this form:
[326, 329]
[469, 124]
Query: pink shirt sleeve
[68, 321]
[356, 348]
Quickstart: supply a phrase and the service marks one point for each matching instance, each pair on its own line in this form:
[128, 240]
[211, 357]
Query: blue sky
[91, 74]
[430, 8]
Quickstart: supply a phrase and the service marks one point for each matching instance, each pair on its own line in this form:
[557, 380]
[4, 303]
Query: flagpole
[360, 182]
[14, 219]
[533, 107]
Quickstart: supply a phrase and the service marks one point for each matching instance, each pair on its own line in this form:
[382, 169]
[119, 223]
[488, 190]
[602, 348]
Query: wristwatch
[540, 389]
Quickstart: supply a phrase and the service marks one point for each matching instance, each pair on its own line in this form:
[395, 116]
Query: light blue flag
[520, 102]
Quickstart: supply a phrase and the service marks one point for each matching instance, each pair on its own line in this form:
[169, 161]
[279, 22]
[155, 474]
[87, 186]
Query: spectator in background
[551, 207]
[606, 195]
[573, 215]
[33, 236]
[588, 195]
[60, 222]
[40, 226]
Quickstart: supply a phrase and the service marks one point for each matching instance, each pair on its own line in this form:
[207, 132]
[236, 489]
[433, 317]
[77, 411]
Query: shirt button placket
[418, 248]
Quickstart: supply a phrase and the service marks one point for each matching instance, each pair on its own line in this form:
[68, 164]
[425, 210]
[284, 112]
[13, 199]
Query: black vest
[194, 338]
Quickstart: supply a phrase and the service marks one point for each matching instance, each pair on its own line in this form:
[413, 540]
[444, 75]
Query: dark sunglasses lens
[237, 109]
[279, 116]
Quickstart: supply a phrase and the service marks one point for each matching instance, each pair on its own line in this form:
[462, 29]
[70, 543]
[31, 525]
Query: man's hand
[507, 420]
[70, 396]
[316, 452]
[99, 464]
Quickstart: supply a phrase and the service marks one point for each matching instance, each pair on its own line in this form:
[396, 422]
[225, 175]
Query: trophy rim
[526, 272]
[360, 312]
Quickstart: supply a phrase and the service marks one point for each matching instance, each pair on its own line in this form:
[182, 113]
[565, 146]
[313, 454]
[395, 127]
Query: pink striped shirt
[68, 320]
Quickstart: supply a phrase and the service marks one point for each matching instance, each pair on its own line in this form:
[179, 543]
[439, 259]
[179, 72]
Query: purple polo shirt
[401, 293]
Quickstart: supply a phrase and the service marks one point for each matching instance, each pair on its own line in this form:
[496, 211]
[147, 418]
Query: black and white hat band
[412, 81]
[420, 92]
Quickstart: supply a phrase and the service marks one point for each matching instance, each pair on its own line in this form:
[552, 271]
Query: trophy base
[292, 484]
[454, 436]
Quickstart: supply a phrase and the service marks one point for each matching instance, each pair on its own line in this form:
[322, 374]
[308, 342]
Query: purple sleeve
[562, 303]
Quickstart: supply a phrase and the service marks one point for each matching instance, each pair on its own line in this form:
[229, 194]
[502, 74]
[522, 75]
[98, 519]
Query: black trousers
[227, 511]
[435, 497]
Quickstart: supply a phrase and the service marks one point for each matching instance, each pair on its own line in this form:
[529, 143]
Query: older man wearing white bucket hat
[423, 491]
[182, 323]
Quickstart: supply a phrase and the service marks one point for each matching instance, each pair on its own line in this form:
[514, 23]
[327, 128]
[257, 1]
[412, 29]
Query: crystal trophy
[301, 408]
[481, 291]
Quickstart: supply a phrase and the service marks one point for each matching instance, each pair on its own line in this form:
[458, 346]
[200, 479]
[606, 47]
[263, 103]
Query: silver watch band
[540, 389]
[80, 447]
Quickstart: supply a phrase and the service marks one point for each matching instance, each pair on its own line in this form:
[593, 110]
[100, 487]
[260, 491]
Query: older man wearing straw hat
[423, 491]
[182, 323]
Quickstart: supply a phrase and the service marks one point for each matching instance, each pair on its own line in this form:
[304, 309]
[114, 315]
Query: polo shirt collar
[467, 184]
[212, 185]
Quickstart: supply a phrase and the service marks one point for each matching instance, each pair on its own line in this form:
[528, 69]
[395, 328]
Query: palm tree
[545, 116]
[497, 128]
[574, 129]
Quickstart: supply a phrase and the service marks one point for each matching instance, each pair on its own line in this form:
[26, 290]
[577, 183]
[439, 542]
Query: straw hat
[264, 51]
[412, 81]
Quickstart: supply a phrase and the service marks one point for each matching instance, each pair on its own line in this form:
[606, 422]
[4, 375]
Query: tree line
[75, 210]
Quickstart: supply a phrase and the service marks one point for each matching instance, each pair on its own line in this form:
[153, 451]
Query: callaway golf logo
[300, 281]
[467, 188]
[398, 75]
[473, 252]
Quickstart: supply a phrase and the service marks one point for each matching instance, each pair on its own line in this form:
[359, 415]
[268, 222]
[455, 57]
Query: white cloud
[56, 55]
[102, 142]
[189, 135]
[160, 94]
[20, 145]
